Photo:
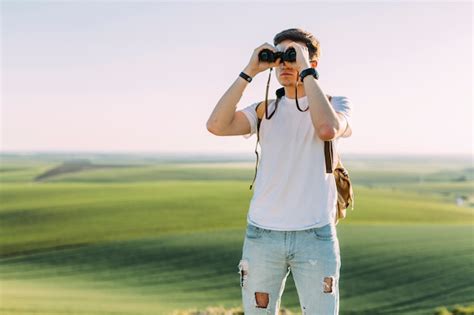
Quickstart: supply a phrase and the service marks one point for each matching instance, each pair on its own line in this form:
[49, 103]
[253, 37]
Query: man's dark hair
[302, 36]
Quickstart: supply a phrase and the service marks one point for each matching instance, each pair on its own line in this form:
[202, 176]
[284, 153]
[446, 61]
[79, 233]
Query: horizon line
[202, 153]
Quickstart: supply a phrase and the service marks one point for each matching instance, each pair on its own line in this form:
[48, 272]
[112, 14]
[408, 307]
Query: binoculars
[266, 55]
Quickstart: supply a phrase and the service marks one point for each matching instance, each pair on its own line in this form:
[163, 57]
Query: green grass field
[156, 238]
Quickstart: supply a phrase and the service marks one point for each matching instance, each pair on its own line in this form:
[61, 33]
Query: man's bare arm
[220, 121]
[325, 119]
[223, 114]
[323, 116]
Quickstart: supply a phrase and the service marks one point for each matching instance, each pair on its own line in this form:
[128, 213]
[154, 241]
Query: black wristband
[246, 77]
[309, 71]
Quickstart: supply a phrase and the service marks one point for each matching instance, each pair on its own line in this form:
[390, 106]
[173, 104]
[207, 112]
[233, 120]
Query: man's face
[285, 73]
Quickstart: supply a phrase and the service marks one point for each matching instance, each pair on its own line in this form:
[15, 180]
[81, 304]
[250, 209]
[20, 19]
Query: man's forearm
[223, 113]
[323, 115]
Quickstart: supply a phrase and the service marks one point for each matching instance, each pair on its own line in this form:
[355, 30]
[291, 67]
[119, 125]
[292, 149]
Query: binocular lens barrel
[266, 55]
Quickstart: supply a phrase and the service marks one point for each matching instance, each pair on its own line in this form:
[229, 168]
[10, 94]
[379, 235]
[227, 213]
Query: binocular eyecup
[266, 55]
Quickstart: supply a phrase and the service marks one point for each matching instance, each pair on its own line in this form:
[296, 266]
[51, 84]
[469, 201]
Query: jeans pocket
[326, 232]
[253, 232]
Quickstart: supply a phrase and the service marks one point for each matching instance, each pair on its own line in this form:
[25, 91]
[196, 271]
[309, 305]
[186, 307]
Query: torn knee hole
[328, 285]
[262, 299]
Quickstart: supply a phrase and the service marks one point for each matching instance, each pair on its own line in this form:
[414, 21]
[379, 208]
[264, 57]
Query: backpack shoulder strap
[328, 150]
[328, 155]
[260, 113]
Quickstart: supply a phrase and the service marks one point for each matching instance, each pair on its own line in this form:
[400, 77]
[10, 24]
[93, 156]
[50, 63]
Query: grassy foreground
[119, 246]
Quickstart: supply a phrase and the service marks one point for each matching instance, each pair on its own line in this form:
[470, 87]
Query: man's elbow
[212, 129]
[327, 133]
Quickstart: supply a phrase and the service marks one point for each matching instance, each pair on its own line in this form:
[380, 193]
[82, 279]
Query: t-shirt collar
[301, 100]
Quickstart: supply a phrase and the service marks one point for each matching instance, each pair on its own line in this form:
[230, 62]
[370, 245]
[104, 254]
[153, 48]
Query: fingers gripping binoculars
[266, 55]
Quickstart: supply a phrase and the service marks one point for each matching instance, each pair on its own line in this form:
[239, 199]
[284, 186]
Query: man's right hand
[255, 66]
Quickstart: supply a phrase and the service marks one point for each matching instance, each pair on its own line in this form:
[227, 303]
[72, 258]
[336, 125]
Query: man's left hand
[302, 56]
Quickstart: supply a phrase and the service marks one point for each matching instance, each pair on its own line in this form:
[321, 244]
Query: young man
[291, 220]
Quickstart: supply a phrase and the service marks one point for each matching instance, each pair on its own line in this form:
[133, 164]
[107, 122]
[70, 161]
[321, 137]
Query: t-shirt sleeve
[251, 115]
[342, 104]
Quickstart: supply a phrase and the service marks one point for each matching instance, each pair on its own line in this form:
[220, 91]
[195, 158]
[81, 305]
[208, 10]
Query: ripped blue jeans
[311, 255]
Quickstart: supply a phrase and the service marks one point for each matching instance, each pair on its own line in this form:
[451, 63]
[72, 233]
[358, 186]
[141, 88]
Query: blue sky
[144, 76]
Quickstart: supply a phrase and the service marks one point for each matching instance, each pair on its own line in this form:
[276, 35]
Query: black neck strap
[279, 94]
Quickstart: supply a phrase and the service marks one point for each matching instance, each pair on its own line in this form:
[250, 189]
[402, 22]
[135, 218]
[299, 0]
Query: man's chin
[289, 84]
[287, 81]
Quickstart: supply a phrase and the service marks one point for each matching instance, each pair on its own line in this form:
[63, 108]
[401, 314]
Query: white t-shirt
[292, 190]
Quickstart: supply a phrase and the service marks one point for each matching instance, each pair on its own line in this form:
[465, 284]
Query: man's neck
[290, 91]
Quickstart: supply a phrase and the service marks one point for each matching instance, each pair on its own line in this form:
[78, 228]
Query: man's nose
[284, 65]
